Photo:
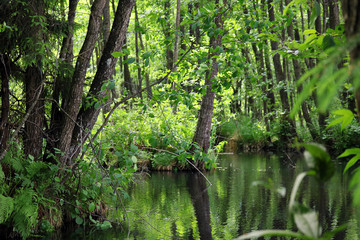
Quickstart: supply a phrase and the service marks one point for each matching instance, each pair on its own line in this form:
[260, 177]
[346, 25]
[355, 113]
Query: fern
[15, 160]
[6, 208]
[25, 212]
[35, 169]
[2, 175]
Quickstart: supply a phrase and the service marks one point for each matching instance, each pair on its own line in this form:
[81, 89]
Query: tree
[204, 123]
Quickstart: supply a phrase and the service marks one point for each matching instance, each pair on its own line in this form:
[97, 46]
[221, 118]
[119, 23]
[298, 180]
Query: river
[245, 193]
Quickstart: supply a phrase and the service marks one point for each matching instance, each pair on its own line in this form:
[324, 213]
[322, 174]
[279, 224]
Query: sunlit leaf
[353, 160]
[117, 54]
[346, 117]
[309, 31]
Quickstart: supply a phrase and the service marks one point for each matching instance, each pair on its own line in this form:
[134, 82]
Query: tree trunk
[281, 78]
[203, 127]
[60, 87]
[166, 29]
[5, 102]
[71, 106]
[351, 11]
[147, 80]
[33, 136]
[128, 83]
[87, 116]
[298, 73]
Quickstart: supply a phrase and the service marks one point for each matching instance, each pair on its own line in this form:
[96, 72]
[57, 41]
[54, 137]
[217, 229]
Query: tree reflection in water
[200, 200]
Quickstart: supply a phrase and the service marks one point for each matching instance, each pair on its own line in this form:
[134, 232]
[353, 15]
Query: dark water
[245, 195]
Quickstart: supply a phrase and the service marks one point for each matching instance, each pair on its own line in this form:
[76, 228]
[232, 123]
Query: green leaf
[91, 207]
[328, 42]
[117, 54]
[130, 60]
[79, 220]
[346, 117]
[309, 31]
[353, 160]
[134, 159]
[105, 225]
[146, 55]
[134, 148]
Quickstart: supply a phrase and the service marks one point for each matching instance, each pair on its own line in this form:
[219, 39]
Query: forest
[96, 94]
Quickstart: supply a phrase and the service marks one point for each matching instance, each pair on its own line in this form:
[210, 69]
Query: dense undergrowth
[38, 197]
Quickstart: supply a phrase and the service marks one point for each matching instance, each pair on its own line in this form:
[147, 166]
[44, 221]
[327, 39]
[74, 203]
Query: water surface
[247, 193]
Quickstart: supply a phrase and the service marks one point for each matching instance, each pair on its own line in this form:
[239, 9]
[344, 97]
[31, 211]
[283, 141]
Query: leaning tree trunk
[71, 106]
[203, 127]
[87, 116]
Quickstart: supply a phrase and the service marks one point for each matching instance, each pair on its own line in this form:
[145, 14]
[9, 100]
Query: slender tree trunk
[128, 83]
[177, 30]
[137, 36]
[298, 72]
[166, 29]
[147, 79]
[34, 125]
[333, 14]
[5, 101]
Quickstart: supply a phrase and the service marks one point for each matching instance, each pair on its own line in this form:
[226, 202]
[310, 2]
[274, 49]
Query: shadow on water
[245, 195]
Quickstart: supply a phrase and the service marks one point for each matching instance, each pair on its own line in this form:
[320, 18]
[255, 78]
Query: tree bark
[128, 83]
[351, 11]
[147, 79]
[33, 136]
[203, 127]
[71, 107]
[5, 102]
[298, 72]
[281, 78]
[60, 87]
[169, 51]
[87, 116]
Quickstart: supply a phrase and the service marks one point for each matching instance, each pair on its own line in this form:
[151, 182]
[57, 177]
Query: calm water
[247, 193]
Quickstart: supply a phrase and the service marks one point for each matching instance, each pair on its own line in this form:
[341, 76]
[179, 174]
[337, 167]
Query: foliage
[37, 203]
[243, 129]
[306, 219]
[155, 133]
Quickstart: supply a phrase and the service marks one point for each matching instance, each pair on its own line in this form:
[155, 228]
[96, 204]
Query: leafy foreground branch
[306, 219]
